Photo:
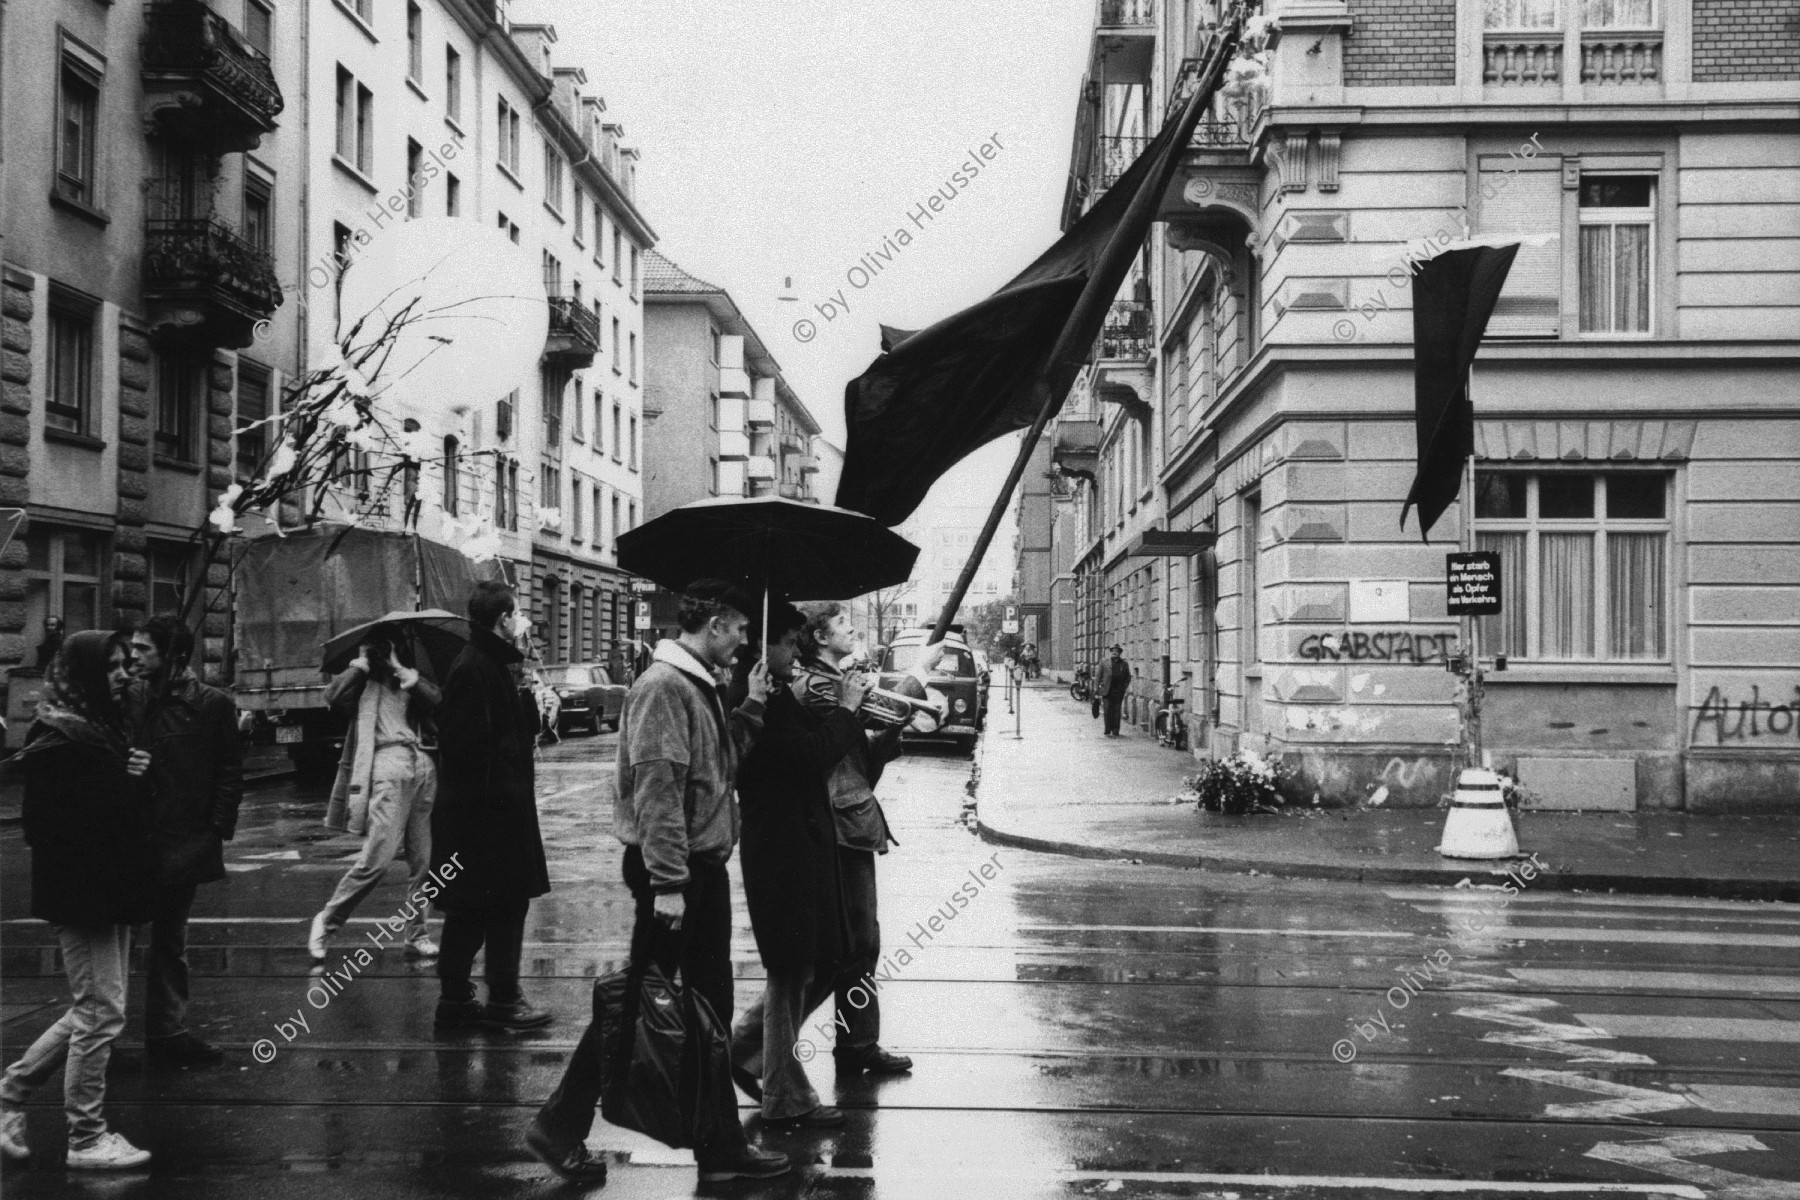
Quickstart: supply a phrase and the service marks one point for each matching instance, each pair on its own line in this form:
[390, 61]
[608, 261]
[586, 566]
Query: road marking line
[1280, 932]
[1624, 1101]
[1361, 1182]
[1537, 1034]
[1744, 1098]
[1715, 1029]
[1569, 914]
[1498, 928]
[1667, 1156]
[1482, 896]
[1695, 981]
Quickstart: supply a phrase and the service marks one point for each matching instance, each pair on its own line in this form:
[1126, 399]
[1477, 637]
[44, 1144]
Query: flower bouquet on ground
[1244, 782]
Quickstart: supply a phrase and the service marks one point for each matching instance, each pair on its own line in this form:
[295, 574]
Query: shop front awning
[1171, 543]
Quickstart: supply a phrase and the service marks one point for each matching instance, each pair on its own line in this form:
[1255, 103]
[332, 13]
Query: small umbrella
[768, 544]
[440, 635]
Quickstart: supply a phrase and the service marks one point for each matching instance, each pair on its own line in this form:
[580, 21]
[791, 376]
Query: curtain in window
[1521, 14]
[1616, 14]
[1635, 572]
[1596, 277]
[1505, 634]
[1566, 609]
[1615, 278]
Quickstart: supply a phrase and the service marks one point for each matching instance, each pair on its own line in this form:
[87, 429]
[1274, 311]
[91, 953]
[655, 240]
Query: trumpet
[881, 707]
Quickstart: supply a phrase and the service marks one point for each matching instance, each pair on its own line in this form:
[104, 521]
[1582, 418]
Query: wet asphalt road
[1080, 1028]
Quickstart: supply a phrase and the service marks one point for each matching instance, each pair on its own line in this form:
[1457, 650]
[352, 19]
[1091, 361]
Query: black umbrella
[437, 634]
[768, 544]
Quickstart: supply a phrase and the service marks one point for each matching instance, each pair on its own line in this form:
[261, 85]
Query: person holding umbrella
[386, 782]
[790, 863]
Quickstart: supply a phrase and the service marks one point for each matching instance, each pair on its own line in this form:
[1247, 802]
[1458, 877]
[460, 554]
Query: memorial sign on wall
[1472, 583]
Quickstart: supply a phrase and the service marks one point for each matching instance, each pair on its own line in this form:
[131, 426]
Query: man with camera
[386, 783]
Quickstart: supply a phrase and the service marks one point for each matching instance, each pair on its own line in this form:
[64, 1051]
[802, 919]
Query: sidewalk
[1065, 789]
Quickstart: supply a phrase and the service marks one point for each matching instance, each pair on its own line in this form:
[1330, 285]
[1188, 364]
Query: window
[415, 43]
[1525, 197]
[355, 122]
[79, 104]
[618, 250]
[259, 26]
[62, 578]
[1521, 14]
[632, 359]
[634, 272]
[618, 431]
[415, 194]
[577, 428]
[595, 500]
[712, 406]
[634, 442]
[550, 486]
[69, 404]
[508, 140]
[512, 496]
[1618, 14]
[712, 476]
[365, 129]
[599, 233]
[553, 178]
[575, 533]
[171, 573]
[631, 514]
[599, 421]
[580, 207]
[508, 228]
[552, 275]
[178, 380]
[259, 225]
[452, 477]
[617, 529]
[616, 340]
[252, 408]
[503, 415]
[452, 85]
[366, 10]
[340, 245]
[718, 348]
[577, 604]
[1583, 564]
[452, 195]
[1618, 220]
[506, 494]
[1250, 603]
[553, 620]
[553, 413]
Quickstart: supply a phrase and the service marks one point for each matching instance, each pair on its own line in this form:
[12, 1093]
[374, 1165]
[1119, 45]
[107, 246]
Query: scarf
[78, 706]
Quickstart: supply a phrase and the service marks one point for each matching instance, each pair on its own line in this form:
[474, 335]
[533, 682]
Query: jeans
[501, 928]
[765, 1037]
[98, 963]
[166, 969]
[1113, 705]
[859, 1029]
[404, 787]
[700, 950]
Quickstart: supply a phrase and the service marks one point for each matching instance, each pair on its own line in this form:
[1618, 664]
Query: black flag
[1453, 296]
[935, 396]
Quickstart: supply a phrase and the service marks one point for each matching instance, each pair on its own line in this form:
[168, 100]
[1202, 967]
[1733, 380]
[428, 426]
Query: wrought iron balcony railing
[202, 278]
[569, 318]
[1113, 156]
[189, 51]
[1117, 13]
[1211, 133]
[1126, 334]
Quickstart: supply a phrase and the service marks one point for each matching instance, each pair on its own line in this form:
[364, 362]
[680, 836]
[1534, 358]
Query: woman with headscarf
[85, 820]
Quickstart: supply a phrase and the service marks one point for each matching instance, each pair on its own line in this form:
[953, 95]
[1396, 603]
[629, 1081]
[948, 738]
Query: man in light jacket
[679, 751]
[386, 783]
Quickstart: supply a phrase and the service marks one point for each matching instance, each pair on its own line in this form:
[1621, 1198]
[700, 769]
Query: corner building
[1243, 438]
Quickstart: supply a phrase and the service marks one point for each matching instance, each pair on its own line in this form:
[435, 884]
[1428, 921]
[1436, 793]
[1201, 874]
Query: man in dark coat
[196, 783]
[788, 853]
[1115, 682]
[485, 843]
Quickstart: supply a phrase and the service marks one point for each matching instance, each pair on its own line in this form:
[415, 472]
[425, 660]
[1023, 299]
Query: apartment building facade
[1247, 417]
[724, 421]
[153, 158]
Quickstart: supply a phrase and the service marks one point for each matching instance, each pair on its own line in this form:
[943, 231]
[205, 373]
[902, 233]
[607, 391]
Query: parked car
[955, 676]
[588, 694]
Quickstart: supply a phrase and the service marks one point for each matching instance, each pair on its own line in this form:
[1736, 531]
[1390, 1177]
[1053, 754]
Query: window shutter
[1526, 201]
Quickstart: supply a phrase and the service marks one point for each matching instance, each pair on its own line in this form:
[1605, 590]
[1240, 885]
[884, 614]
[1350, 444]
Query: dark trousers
[700, 951]
[1113, 705]
[859, 1029]
[501, 928]
[166, 967]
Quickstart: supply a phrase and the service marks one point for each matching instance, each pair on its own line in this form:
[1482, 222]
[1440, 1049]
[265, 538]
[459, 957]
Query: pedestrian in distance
[53, 640]
[549, 710]
[196, 783]
[679, 751]
[789, 855]
[1115, 682]
[85, 818]
[386, 783]
[485, 843]
[862, 836]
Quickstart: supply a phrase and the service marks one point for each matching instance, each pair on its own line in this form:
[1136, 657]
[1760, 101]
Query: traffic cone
[1478, 825]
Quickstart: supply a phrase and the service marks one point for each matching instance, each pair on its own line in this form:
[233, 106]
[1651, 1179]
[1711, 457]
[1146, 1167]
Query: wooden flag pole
[1066, 357]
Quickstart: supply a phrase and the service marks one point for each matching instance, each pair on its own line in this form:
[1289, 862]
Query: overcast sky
[785, 138]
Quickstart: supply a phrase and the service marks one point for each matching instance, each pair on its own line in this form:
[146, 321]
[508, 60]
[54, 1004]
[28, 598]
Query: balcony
[1212, 134]
[573, 338]
[1075, 448]
[204, 285]
[1126, 334]
[1609, 57]
[791, 491]
[1113, 156]
[807, 465]
[1124, 41]
[760, 466]
[203, 83]
[1522, 59]
[759, 414]
[792, 444]
[733, 447]
[734, 381]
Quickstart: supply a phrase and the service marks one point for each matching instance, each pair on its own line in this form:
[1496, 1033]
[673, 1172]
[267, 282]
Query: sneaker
[748, 1162]
[110, 1153]
[458, 1014]
[315, 938]
[573, 1163]
[822, 1117]
[12, 1135]
[421, 947]
[515, 1016]
[182, 1049]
